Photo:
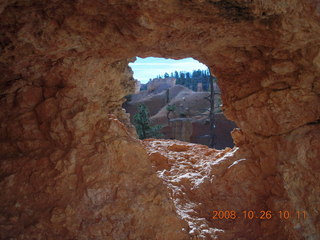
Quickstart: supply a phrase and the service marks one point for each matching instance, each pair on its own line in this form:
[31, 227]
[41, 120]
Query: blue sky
[146, 68]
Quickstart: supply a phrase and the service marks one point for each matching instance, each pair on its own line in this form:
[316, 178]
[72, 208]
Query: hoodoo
[71, 166]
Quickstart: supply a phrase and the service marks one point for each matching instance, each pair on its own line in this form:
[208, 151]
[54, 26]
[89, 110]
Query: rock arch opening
[176, 95]
[69, 166]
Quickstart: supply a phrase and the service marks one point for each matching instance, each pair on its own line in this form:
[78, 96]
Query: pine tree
[211, 114]
[191, 79]
[176, 75]
[211, 99]
[170, 109]
[142, 123]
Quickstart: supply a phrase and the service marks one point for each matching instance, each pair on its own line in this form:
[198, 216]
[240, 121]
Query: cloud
[147, 68]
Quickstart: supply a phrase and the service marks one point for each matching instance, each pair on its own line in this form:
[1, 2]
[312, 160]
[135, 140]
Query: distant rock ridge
[137, 86]
[158, 85]
[189, 121]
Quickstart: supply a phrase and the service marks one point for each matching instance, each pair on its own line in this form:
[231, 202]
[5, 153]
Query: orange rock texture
[71, 169]
[206, 185]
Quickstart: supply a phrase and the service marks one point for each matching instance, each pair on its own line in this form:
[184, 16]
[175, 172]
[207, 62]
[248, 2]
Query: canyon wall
[71, 167]
[161, 84]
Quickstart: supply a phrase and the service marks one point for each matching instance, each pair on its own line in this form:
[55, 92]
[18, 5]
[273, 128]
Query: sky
[146, 68]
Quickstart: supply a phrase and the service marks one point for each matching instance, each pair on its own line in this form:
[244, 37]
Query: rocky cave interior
[71, 166]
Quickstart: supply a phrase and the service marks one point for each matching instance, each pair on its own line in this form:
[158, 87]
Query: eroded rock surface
[203, 180]
[71, 171]
[88, 192]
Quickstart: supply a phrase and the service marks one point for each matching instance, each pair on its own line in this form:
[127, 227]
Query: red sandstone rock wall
[161, 84]
[70, 171]
[203, 180]
[222, 133]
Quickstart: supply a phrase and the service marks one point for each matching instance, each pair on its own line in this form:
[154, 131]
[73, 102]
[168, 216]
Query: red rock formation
[154, 102]
[222, 133]
[68, 171]
[203, 180]
[161, 84]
